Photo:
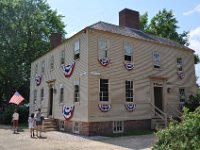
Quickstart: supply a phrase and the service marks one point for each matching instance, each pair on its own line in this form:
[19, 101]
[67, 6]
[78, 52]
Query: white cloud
[194, 40]
[196, 9]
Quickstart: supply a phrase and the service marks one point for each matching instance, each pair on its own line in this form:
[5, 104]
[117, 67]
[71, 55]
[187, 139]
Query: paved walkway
[55, 140]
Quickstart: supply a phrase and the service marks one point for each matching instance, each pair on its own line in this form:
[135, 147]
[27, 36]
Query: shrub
[183, 136]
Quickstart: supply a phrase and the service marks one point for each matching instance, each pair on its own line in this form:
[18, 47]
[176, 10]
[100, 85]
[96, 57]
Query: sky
[82, 13]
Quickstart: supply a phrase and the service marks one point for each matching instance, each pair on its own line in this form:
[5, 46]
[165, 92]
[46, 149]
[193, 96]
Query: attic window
[156, 60]
[128, 52]
[77, 49]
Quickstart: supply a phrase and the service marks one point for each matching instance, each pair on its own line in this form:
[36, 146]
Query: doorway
[158, 97]
[50, 101]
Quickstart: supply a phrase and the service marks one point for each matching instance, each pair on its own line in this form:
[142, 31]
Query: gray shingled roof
[134, 33]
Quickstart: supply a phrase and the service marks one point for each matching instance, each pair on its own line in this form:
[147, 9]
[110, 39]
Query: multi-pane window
[182, 95]
[62, 57]
[76, 90]
[43, 66]
[61, 125]
[35, 96]
[156, 60]
[129, 91]
[42, 95]
[36, 68]
[51, 63]
[77, 49]
[61, 94]
[128, 52]
[76, 127]
[103, 48]
[179, 63]
[118, 126]
[104, 91]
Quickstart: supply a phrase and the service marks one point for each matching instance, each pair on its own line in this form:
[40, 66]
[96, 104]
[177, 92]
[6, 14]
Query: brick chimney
[55, 40]
[129, 18]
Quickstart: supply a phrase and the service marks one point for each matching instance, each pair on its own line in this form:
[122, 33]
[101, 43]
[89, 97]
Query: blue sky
[82, 13]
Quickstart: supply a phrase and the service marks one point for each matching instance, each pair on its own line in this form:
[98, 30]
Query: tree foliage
[164, 24]
[183, 136]
[25, 27]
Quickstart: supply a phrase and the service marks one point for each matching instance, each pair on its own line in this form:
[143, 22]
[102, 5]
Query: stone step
[49, 125]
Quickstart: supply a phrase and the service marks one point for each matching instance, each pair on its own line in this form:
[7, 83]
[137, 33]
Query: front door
[50, 101]
[158, 98]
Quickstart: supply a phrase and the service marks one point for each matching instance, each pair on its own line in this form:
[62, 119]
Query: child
[15, 119]
[31, 124]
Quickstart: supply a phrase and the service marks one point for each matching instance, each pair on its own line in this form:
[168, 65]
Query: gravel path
[55, 140]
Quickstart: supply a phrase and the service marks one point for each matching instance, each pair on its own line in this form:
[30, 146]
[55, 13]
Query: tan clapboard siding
[80, 112]
[143, 60]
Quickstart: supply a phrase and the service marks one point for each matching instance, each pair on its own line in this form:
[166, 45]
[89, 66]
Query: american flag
[16, 98]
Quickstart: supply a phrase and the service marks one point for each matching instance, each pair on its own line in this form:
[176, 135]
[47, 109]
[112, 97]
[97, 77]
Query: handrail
[163, 116]
[174, 111]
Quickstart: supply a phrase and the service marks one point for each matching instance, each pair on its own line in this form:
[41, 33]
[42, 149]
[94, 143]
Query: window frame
[129, 91]
[103, 94]
[41, 94]
[118, 126]
[156, 61]
[128, 47]
[76, 127]
[179, 63]
[77, 49]
[76, 90]
[62, 94]
[62, 57]
[52, 63]
[43, 66]
[182, 95]
[102, 50]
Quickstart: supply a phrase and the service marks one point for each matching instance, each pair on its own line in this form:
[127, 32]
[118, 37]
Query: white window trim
[62, 57]
[132, 90]
[102, 51]
[77, 82]
[78, 127]
[128, 46]
[108, 90]
[156, 61]
[122, 126]
[61, 125]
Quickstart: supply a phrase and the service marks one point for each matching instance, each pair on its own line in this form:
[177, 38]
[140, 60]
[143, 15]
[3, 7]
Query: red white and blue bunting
[104, 61]
[38, 79]
[181, 75]
[129, 66]
[67, 112]
[68, 69]
[130, 106]
[104, 107]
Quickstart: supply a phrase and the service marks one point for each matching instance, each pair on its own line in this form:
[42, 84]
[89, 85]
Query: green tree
[25, 27]
[183, 136]
[164, 24]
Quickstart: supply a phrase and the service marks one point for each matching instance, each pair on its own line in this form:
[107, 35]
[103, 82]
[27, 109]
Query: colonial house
[109, 79]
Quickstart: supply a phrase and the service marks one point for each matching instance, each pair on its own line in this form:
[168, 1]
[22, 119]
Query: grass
[133, 133]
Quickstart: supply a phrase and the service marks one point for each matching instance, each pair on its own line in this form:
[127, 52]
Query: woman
[15, 119]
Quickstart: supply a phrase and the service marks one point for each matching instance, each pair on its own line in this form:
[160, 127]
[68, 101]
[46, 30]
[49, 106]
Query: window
[42, 95]
[43, 66]
[179, 64]
[182, 94]
[156, 60]
[128, 52]
[62, 57]
[118, 126]
[36, 68]
[77, 50]
[103, 48]
[104, 95]
[76, 127]
[76, 90]
[35, 97]
[61, 95]
[61, 125]
[51, 63]
[129, 91]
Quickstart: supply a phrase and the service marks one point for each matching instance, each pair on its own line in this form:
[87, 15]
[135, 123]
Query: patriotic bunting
[68, 69]
[130, 106]
[129, 66]
[38, 79]
[104, 107]
[67, 111]
[181, 75]
[104, 61]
